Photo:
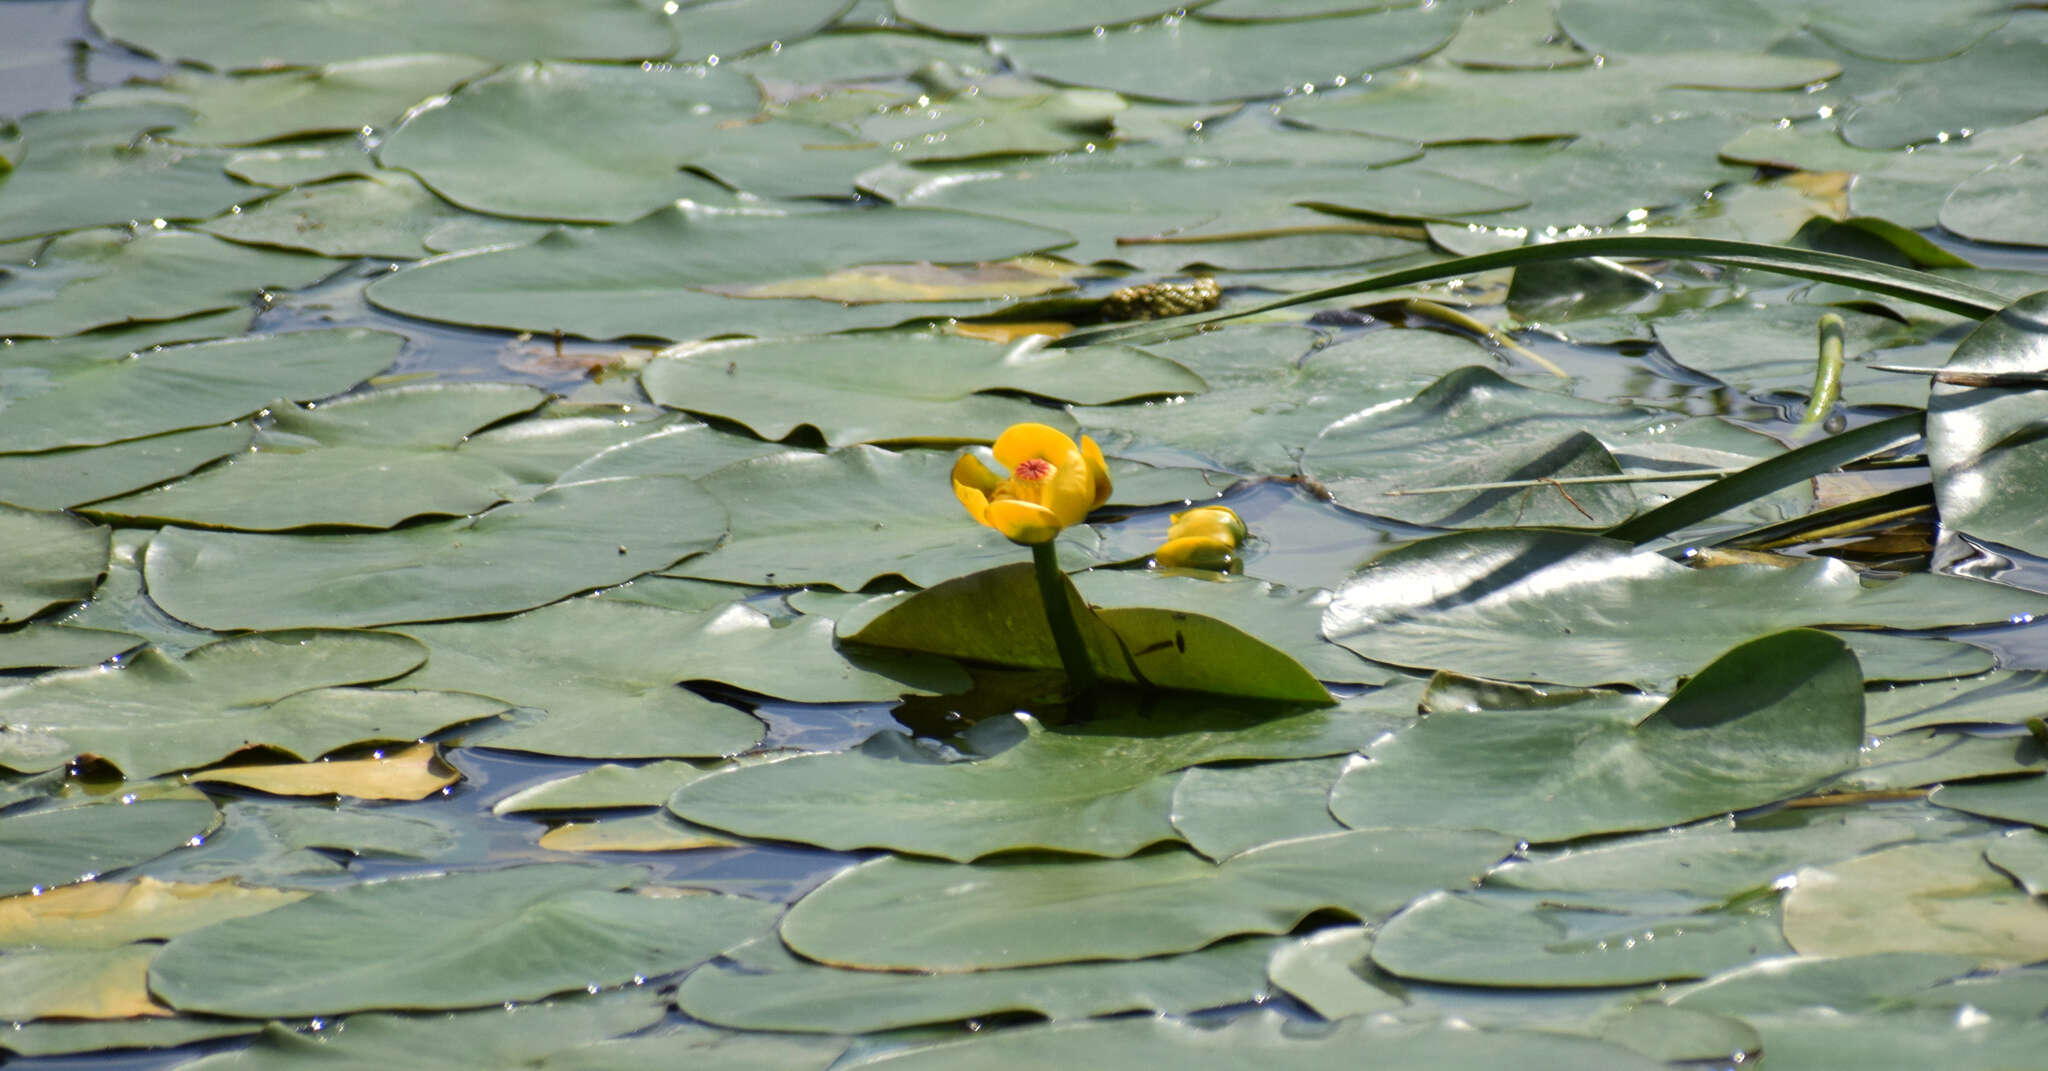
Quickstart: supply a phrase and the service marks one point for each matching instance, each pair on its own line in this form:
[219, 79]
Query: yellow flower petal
[972, 484]
[1022, 442]
[1098, 470]
[1022, 522]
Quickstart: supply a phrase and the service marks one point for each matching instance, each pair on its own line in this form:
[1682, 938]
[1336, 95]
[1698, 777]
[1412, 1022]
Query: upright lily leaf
[157, 713]
[1985, 444]
[651, 277]
[569, 538]
[901, 914]
[248, 34]
[1771, 718]
[996, 617]
[52, 846]
[1581, 610]
[47, 559]
[459, 940]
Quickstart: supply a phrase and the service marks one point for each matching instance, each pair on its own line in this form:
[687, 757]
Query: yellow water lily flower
[1052, 483]
[1203, 538]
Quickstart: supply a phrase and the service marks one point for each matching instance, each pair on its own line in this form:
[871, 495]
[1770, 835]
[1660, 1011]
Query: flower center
[1033, 470]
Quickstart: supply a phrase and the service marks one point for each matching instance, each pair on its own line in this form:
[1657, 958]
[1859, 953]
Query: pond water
[1586, 797]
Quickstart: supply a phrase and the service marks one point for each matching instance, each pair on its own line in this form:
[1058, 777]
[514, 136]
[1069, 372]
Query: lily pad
[1223, 810]
[248, 34]
[90, 167]
[158, 713]
[1940, 898]
[1095, 793]
[38, 645]
[188, 386]
[761, 986]
[1772, 350]
[1983, 442]
[1581, 610]
[877, 387]
[56, 479]
[450, 941]
[381, 214]
[1021, 912]
[369, 832]
[969, 19]
[604, 787]
[100, 278]
[77, 983]
[649, 277]
[2018, 800]
[1331, 971]
[567, 539]
[340, 98]
[106, 914]
[58, 845]
[412, 773]
[1527, 939]
[637, 833]
[1278, 616]
[47, 559]
[727, 28]
[1768, 719]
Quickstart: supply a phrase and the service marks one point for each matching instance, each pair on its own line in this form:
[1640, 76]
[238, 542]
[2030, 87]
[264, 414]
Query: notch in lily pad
[1030, 617]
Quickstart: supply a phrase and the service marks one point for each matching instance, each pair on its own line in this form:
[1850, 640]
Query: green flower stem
[1059, 615]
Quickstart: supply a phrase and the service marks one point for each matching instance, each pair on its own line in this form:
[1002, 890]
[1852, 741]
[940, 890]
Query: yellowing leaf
[102, 914]
[412, 774]
[1940, 898]
[921, 281]
[78, 984]
[644, 833]
[1011, 331]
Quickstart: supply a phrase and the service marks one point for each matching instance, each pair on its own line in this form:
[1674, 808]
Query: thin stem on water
[1059, 616]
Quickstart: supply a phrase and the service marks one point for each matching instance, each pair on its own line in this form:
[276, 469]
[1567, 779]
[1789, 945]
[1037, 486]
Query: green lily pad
[119, 604]
[450, 941]
[47, 559]
[1997, 203]
[976, 123]
[996, 617]
[1221, 811]
[1847, 984]
[89, 167]
[1982, 446]
[569, 538]
[870, 56]
[1992, 698]
[1189, 59]
[878, 387]
[39, 645]
[55, 479]
[1930, 101]
[727, 28]
[1626, 26]
[190, 386]
[766, 988]
[1026, 797]
[251, 34]
[99, 278]
[681, 1044]
[650, 277]
[340, 98]
[369, 460]
[1265, 1040]
[2022, 799]
[1901, 1039]
[2025, 857]
[584, 142]
[1286, 619]
[1528, 939]
[605, 674]
[529, 1034]
[1938, 898]
[1581, 610]
[1768, 719]
[1271, 393]
[900, 505]
[1331, 971]
[1926, 757]
[1772, 350]
[157, 713]
[60, 1037]
[1026, 911]
[968, 19]
[382, 214]
[58, 845]
[365, 831]
[603, 788]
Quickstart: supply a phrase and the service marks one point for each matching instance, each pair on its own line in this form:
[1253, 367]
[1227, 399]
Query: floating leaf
[569, 538]
[47, 559]
[1098, 792]
[1526, 939]
[726, 28]
[1983, 442]
[1223, 810]
[37, 645]
[104, 914]
[883, 914]
[86, 983]
[250, 33]
[968, 19]
[410, 774]
[382, 214]
[340, 98]
[100, 278]
[1331, 971]
[52, 846]
[158, 713]
[90, 167]
[450, 941]
[59, 1037]
[2019, 800]
[1580, 610]
[1286, 619]
[640, 833]
[57, 479]
[1764, 721]
[1941, 898]
[891, 387]
[603, 787]
[189, 386]
[766, 988]
[632, 279]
